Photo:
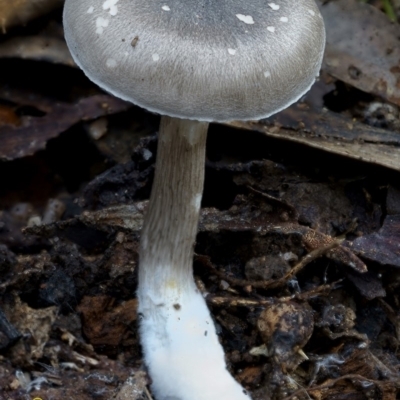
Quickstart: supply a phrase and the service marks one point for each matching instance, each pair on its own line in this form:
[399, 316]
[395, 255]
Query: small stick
[273, 283]
[328, 385]
[148, 395]
[312, 292]
[243, 302]
[234, 301]
[313, 255]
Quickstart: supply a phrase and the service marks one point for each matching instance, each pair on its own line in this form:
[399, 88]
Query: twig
[313, 255]
[272, 283]
[148, 395]
[275, 201]
[235, 301]
[392, 316]
[330, 384]
[312, 292]
[243, 302]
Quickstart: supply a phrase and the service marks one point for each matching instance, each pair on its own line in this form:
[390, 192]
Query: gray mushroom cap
[211, 60]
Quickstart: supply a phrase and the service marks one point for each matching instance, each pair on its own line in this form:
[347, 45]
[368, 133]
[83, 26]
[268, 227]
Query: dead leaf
[333, 133]
[40, 48]
[382, 246]
[35, 326]
[28, 139]
[8, 116]
[19, 12]
[368, 284]
[363, 47]
[134, 387]
[105, 324]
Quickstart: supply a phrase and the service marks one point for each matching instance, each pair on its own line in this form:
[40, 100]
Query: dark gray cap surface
[214, 60]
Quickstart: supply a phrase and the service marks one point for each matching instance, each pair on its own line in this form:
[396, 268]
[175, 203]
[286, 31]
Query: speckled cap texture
[211, 60]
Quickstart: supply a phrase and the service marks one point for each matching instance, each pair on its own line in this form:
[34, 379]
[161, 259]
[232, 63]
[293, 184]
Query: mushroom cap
[210, 60]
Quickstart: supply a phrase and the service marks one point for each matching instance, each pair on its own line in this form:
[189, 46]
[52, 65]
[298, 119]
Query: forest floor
[298, 250]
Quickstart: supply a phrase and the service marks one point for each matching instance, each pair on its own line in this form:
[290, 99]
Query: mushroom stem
[170, 226]
[180, 345]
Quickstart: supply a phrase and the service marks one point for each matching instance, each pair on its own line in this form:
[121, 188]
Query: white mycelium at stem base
[180, 345]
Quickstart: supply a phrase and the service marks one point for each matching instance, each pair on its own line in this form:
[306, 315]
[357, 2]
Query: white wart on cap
[199, 59]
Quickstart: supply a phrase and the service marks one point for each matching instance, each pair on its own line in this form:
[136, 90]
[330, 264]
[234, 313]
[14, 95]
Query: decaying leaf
[333, 133]
[383, 246]
[134, 388]
[40, 48]
[34, 325]
[104, 323]
[285, 329]
[17, 142]
[363, 47]
[19, 12]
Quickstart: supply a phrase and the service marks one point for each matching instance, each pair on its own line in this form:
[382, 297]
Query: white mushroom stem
[180, 345]
[170, 226]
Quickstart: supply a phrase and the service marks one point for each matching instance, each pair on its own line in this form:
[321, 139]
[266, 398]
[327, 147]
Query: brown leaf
[363, 48]
[250, 375]
[40, 48]
[8, 116]
[28, 139]
[383, 246]
[19, 12]
[368, 284]
[35, 326]
[333, 133]
[105, 324]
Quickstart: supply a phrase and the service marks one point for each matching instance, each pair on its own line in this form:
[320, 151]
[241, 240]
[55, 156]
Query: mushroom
[193, 62]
